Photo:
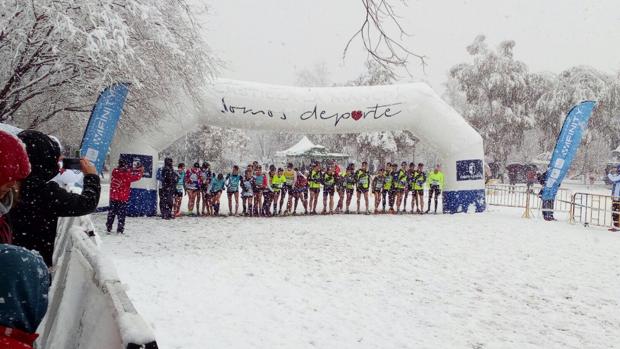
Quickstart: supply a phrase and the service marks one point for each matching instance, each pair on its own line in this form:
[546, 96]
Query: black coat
[169, 179]
[35, 217]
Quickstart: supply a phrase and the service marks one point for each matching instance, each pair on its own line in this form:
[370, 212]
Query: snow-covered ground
[490, 280]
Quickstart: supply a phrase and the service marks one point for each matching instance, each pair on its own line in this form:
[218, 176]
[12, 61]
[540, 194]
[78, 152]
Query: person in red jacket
[120, 185]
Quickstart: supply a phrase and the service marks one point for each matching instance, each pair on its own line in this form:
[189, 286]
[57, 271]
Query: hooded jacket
[23, 295]
[34, 217]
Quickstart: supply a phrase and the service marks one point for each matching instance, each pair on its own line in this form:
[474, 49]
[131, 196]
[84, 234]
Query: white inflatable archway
[247, 105]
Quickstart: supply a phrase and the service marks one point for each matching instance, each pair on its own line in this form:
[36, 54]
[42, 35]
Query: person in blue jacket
[215, 191]
[232, 189]
[615, 198]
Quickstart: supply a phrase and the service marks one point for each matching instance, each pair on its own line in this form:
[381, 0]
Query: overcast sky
[272, 40]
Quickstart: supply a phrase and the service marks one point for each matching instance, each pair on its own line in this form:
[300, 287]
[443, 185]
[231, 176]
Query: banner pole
[527, 213]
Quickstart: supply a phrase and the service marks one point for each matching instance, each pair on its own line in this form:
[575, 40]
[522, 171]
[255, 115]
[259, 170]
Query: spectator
[615, 197]
[122, 177]
[23, 296]
[35, 216]
[531, 178]
[169, 178]
[14, 166]
[547, 205]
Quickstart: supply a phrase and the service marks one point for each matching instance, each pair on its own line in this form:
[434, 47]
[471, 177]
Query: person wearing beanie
[14, 167]
[23, 294]
[120, 188]
[35, 215]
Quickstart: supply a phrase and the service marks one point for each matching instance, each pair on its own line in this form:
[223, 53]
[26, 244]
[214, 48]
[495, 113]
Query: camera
[71, 164]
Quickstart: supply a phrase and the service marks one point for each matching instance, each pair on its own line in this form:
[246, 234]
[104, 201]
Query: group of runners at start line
[279, 191]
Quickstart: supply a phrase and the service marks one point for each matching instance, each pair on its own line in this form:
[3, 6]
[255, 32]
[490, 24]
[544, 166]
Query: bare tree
[380, 45]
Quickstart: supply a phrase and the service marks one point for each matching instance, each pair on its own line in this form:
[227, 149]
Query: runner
[400, 183]
[180, 190]
[232, 189]
[206, 177]
[336, 168]
[377, 187]
[215, 192]
[247, 183]
[268, 192]
[349, 186]
[362, 183]
[436, 183]
[300, 191]
[260, 183]
[387, 186]
[314, 183]
[419, 181]
[329, 182]
[339, 187]
[409, 187]
[193, 184]
[278, 182]
[289, 175]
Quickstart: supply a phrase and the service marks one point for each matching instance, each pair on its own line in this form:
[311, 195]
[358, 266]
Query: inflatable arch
[248, 105]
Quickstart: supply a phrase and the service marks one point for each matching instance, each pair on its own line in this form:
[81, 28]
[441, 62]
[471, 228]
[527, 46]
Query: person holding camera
[41, 202]
[120, 188]
[615, 198]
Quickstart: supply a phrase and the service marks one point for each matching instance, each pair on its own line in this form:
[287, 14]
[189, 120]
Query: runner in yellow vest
[399, 182]
[362, 179]
[329, 183]
[314, 183]
[287, 188]
[387, 187]
[277, 183]
[435, 183]
[419, 179]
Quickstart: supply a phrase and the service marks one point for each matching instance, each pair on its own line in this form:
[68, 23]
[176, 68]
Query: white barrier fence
[88, 307]
[582, 208]
[592, 209]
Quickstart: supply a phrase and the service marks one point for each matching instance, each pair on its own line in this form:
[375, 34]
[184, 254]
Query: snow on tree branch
[58, 55]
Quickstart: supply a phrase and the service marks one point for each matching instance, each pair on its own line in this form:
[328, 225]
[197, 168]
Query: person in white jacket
[614, 177]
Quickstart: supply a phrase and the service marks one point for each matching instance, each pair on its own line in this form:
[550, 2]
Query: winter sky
[272, 40]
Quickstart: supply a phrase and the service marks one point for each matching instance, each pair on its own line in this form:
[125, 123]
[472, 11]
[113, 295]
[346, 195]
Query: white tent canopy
[305, 147]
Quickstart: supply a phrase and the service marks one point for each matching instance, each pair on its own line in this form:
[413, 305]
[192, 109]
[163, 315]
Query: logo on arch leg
[356, 114]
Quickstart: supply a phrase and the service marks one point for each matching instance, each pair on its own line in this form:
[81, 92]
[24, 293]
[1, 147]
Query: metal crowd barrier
[582, 208]
[592, 209]
[518, 196]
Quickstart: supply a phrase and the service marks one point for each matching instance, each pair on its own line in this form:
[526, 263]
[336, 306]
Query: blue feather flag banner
[102, 124]
[575, 125]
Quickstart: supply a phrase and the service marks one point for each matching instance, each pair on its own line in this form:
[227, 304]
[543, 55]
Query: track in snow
[488, 280]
